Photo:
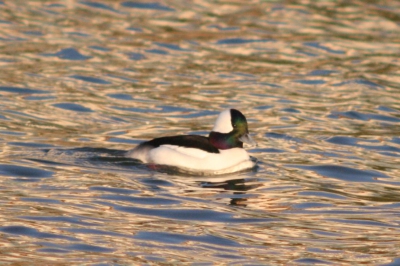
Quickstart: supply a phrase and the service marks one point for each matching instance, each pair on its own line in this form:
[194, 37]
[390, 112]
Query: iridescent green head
[230, 130]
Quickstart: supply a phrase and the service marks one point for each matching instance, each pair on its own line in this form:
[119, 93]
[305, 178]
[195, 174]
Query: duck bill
[248, 140]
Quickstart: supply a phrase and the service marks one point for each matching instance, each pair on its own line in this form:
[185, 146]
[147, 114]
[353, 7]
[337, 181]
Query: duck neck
[223, 141]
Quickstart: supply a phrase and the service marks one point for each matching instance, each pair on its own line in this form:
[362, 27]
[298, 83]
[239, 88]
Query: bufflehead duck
[219, 153]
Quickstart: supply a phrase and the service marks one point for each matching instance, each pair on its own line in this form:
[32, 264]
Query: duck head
[230, 131]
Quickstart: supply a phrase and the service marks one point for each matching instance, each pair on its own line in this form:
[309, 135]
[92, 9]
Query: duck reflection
[238, 186]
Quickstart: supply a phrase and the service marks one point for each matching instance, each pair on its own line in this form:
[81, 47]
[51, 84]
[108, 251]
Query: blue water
[81, 82]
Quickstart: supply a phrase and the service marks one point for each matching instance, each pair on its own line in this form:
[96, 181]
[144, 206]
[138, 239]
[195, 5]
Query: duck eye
[234, 125]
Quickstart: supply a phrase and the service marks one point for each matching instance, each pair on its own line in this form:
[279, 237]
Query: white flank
[231, 160]
[223, 123]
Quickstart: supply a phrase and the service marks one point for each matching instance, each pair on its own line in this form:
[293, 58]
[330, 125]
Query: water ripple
[69, 54]
[364, 116]
[72, 107]
[84, 81]
[23, 171]
[358, 142]
[91, 79]
[171, 238]
[151, 6]
[186, 214]
[99, 5]
[344, 173]
[22, 90]
[31, 232]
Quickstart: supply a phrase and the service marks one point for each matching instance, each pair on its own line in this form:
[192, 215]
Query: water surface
[83, 81]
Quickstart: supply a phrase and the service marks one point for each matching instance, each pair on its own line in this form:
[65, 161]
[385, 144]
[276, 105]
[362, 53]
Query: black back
[187, 141]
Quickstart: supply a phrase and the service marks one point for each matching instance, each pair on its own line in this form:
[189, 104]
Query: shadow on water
[85, 155]
[115, 160]
[104, 158]
[238, 187]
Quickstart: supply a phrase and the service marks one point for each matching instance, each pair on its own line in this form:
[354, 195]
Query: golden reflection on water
[83, 81]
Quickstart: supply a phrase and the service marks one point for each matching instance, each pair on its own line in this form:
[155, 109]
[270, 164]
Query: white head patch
[223, 123]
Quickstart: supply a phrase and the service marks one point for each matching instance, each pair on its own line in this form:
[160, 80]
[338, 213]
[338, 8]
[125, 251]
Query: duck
[220, 152]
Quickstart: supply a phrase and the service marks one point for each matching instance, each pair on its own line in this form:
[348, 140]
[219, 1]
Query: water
[83, 81]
